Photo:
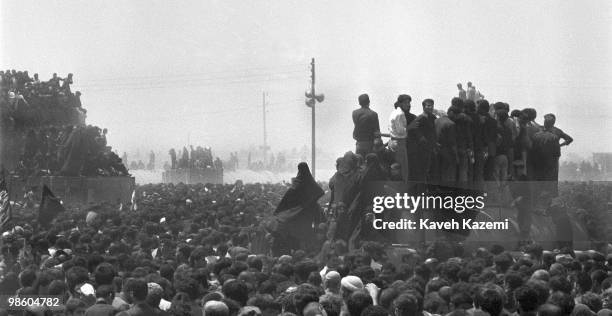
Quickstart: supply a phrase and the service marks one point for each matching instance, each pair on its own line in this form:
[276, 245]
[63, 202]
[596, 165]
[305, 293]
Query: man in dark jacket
[447, 157]
[421, 143]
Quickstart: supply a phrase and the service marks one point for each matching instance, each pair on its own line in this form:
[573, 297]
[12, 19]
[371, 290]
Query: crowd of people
[470, 143]
[194, 158]
[27, 102]
[43, 131]
[297, 250]
[68, 151]
[209, 250]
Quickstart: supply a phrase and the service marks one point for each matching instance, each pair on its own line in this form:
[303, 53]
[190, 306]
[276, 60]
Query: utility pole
[311, 101]
[265, 133]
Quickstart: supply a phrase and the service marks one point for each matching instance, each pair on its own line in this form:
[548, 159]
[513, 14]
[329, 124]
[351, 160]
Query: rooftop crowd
[43, 129]
[27, 102]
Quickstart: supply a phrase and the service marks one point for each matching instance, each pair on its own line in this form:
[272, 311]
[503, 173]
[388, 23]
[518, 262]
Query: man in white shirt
[397, 130]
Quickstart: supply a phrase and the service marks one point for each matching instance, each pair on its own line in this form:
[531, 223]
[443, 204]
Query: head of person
[314, 309]
[250, 311]
[350, 284]
[403, 102]
[453, 112]
[459, 86]
[491, 300]
[215, 308]
[428, 106]
[106, 292]
[483, 107]
[531, 113]
[458, 102]
[549, 120]
[154, 294]
[469, 84]
[332, 281]
[358, 301]
[135, 290]
[364, 100]
[405, 304]
[75, 307]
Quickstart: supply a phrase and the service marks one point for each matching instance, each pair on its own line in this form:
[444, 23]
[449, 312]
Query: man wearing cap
[366, 128]
[332, 282]
[397, 130]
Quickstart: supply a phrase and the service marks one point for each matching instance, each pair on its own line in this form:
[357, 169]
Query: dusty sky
[158, 74]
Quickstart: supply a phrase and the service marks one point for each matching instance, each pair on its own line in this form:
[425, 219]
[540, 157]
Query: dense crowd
[68, 151]
[27, 102]
[194, 158]
[206, 250]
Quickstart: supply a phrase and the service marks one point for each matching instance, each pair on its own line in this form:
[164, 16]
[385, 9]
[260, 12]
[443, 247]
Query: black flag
[5, 206]
[50, 206]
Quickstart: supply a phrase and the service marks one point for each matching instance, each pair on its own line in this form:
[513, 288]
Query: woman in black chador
[297, 214]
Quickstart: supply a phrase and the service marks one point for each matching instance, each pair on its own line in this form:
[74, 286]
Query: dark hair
[563, 300]
[374, 311]
[584, 282]
[75, 276]
[364, 99]
[592, 300]
[357, 302]
[406, 304]
[301, 299]
[483, 108]
[255, 263]
[491, 301]
[527, 298]
[56, 287]
[72, 305]
[303, 269]
[427, 101]
[458, 102]
[454, 109]
[27, 277]
[104, 291]
[138, 288]
[550, 310]
[104, 273]
[559, 283]
[237, 291]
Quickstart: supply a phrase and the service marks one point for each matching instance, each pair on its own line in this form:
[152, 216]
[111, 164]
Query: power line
[183, 81]
[197, 74]
[182, 85]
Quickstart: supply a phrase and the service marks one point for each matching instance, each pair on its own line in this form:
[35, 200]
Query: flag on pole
[6, 213]
[50, 206]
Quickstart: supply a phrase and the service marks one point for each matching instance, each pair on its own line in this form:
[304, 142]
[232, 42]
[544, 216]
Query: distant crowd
[194, 158]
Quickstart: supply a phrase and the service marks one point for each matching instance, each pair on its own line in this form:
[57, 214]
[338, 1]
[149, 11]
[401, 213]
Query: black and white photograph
[306, 158]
